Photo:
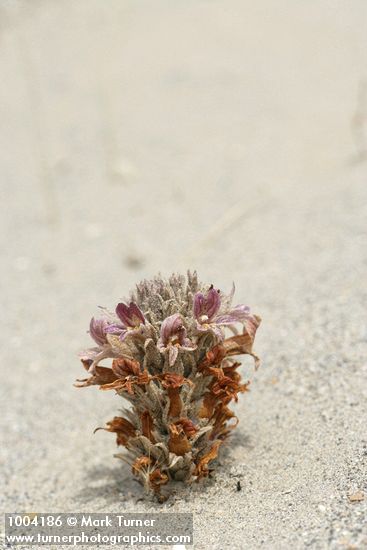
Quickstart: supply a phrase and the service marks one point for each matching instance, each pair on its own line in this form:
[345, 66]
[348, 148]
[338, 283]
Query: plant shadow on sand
[109, 485]
[115, 484]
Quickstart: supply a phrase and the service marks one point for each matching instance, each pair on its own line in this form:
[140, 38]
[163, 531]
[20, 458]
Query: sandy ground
[230, 137]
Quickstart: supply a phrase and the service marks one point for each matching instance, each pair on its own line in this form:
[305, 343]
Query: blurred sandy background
[226, 136]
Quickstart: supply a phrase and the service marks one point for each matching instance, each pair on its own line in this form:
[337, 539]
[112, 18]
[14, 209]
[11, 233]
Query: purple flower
[131, 318]
[97, 330]
[173, 338]
[205, 308]
[208, 318]
[238, 314]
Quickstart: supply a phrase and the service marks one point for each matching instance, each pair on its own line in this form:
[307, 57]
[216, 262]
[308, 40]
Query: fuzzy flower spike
[177, 370]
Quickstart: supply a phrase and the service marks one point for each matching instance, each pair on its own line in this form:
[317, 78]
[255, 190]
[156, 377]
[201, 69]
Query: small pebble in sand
[356, 497]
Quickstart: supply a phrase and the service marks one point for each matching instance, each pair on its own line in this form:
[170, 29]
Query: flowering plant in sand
[173, 363]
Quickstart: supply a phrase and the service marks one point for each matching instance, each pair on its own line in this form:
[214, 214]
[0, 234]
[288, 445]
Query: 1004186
[26, 520]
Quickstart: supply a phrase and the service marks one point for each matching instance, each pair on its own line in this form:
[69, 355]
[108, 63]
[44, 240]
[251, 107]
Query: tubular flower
[179, 384]
[178, 442]
[208, 315]
[123, 429]
[127, 374]
[173, 338]
[132, 321]
[173, 383]
[97, 330]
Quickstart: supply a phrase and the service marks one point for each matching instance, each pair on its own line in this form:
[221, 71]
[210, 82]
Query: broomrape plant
[172, 362]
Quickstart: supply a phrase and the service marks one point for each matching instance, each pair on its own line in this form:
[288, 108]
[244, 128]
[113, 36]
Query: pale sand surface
[230, 137]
